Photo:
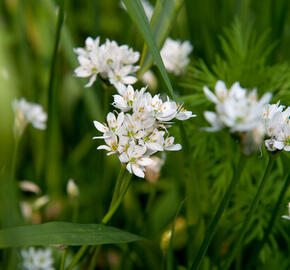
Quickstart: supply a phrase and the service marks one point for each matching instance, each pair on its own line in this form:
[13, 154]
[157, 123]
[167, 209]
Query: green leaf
[164, 14]
[137, 14]
[64, 233]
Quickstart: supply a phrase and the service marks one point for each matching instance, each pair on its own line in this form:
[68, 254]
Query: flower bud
[72, 189]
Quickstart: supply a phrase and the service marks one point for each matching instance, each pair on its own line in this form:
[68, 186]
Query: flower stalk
[223, 204]
[247, 220]
[120, 190]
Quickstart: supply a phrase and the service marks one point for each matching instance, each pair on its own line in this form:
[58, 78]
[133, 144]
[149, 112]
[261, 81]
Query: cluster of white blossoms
[110, 61]
[37, 259]
[277, 123]
[236, 108]
[28, 112]
[141, 128]
[175, 55]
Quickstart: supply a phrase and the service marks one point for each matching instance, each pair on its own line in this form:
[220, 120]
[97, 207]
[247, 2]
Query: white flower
[110, 61]
[169, 146]
[40, 259]
[28, 112]
[236, 108]
[287, 217]
[72, 189]
[135, 136]
[277, 124]
[135, 159]
[175, 55]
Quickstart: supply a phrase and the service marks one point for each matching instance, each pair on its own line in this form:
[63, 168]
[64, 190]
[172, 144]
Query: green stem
[94, 258]
[62, 263]
[77, 257]
[247, 220]
[51, 101]
[123, 190]
[272, 221]
[223, 204]
[123, 182]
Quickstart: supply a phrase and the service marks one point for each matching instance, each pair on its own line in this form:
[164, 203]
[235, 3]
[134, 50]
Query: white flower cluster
[110, 61]
[277, 122]
[40, 259]
[175, 55]
[140, 129]
[236, 108]
[28, 112]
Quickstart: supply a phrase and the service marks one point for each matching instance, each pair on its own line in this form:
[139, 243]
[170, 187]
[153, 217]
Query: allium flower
[110, 61]
[236, 108]
[175, 55]
[287, 217]
[40, 259]
[28, 112]
[277, 122]
[240, 111]
[140, 129]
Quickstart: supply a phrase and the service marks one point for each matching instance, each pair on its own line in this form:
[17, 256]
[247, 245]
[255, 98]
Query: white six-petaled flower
[37, 259]
[240, 111]
[141, 128]
[175, 55]
[110, 61]
[277, 123]
[28, 112]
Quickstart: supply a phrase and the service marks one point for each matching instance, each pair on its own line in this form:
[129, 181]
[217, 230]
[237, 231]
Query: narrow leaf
[137, 14]
[164, 15]
[64, 233]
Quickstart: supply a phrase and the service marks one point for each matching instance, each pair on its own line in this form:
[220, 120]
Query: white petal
[129, 167]
[145, 161]
[174, 147]
[137, 171]
[129, 80]
[105, 147]
[210, 96]
[100, 127]
[91, 81]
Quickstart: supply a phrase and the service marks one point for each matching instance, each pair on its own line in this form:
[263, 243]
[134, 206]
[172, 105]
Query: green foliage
[64, 233]
[164, 15]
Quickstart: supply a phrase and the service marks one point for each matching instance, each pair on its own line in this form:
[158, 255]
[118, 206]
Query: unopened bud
[72, 189]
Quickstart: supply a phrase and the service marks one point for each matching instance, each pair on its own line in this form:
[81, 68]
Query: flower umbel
[240, 111]
[141, 128]
[277, 123]
[37, 259]
[28, 112]
[110, 61]
[175, 55]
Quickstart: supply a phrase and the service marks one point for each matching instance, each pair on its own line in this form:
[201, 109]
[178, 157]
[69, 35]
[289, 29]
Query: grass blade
[164, 14]
[137, 14]
[64, 233]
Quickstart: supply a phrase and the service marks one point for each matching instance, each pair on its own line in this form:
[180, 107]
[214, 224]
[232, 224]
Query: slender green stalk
[77, 257]
[94, 258]
[223, 204]
[271, 223]
[123, 182]
[115, 206]
[62, 263]
[253, 207]
[51, 91]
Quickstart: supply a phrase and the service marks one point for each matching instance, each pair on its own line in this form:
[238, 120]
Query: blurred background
[234, 40]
